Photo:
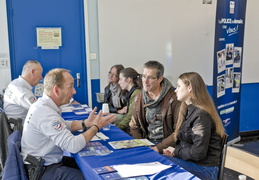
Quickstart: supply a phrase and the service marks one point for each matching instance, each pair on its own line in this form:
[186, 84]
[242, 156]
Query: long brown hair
[118, 68]
[199, 98]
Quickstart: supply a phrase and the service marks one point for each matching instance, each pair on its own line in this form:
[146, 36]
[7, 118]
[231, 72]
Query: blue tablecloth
[126, 156]
[72, 116]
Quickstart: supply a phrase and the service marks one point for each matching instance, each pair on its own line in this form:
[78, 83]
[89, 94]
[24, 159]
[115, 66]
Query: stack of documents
[77, 109]
[94, 148]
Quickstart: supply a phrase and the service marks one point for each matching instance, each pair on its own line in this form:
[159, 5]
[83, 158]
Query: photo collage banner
[228, 56]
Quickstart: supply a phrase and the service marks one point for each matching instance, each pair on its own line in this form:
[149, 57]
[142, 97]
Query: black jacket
[197, 140]
[108, 99]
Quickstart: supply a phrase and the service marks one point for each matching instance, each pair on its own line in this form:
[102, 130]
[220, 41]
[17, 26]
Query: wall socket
[4, 63]
[92, 56]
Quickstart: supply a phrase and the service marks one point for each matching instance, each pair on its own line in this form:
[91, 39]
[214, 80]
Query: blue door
[26, 16]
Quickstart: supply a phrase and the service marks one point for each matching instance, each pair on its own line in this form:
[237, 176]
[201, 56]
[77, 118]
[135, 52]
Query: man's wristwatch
[84, 126]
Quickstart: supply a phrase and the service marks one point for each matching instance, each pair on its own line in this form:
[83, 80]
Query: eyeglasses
[114, 75]
[150, 78]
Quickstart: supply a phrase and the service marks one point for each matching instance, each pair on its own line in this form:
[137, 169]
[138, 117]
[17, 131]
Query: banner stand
[233, 141]
[228, 57]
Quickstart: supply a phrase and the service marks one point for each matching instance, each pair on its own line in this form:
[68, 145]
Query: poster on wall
[228, 55]
[49, 38]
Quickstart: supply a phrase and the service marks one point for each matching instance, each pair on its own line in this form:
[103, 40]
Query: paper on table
[71, 107]
[130, 170]
[130, 143]
[100, 135]
[66, 109]
[94, 149]
[86, 110]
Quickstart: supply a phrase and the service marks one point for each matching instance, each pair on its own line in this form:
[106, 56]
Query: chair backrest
[224, 141]
[16, 124]
[242, 162]
[14, 166]
[1, 101]
[100, 97]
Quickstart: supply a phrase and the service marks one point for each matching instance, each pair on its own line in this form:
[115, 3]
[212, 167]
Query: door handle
[78, 79]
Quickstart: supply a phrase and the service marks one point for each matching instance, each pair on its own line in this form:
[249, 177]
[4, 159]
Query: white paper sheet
[66, 109]
[130, 170]
[99, 136]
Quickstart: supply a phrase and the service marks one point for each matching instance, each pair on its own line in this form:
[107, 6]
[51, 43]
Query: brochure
[124, 144]
[114, 176]
[75, 106]
[93, 149]
[79, 111]
[99, 136]
[103, 170]
[111, 176]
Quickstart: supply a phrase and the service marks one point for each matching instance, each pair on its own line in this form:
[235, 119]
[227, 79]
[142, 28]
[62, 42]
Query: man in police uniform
[46, 134]
[18, 96]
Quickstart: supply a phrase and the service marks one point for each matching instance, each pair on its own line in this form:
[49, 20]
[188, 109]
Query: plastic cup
[242, 177]
[107, 128]
[105, 109]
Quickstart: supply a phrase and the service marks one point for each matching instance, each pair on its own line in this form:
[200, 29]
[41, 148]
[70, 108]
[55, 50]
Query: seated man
[46, 134]
[155, 108]
[18, 96]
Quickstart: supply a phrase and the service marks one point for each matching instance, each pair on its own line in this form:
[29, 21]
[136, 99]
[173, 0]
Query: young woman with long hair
[199, 129]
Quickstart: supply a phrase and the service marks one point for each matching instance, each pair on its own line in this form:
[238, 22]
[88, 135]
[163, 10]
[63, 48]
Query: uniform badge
[57, 125]
[32, 99]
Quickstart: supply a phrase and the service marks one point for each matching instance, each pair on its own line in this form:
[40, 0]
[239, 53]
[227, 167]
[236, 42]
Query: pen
[100, 137]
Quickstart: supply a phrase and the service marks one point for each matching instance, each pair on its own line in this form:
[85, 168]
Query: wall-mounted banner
[228, 55]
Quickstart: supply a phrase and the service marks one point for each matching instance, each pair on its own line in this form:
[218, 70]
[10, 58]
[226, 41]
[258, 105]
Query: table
[126, 156]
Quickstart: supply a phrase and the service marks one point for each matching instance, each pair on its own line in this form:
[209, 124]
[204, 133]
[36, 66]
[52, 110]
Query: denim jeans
[202, 172]
[67, 169]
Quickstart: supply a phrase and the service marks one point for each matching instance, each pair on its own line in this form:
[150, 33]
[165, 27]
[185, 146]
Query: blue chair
[5, 131]
[14, 166]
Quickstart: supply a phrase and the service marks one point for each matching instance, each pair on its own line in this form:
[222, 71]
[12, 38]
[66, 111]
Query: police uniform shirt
[46, 134]
[18, 98]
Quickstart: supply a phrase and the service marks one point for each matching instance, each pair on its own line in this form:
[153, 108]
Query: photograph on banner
[236, 82]
[229, 77]
[221, 85]
[221, 60]
[229, 53]
[237, 56]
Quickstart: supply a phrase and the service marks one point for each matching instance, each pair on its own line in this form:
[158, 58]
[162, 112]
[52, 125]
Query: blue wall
[96, 89]
[249, 108]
